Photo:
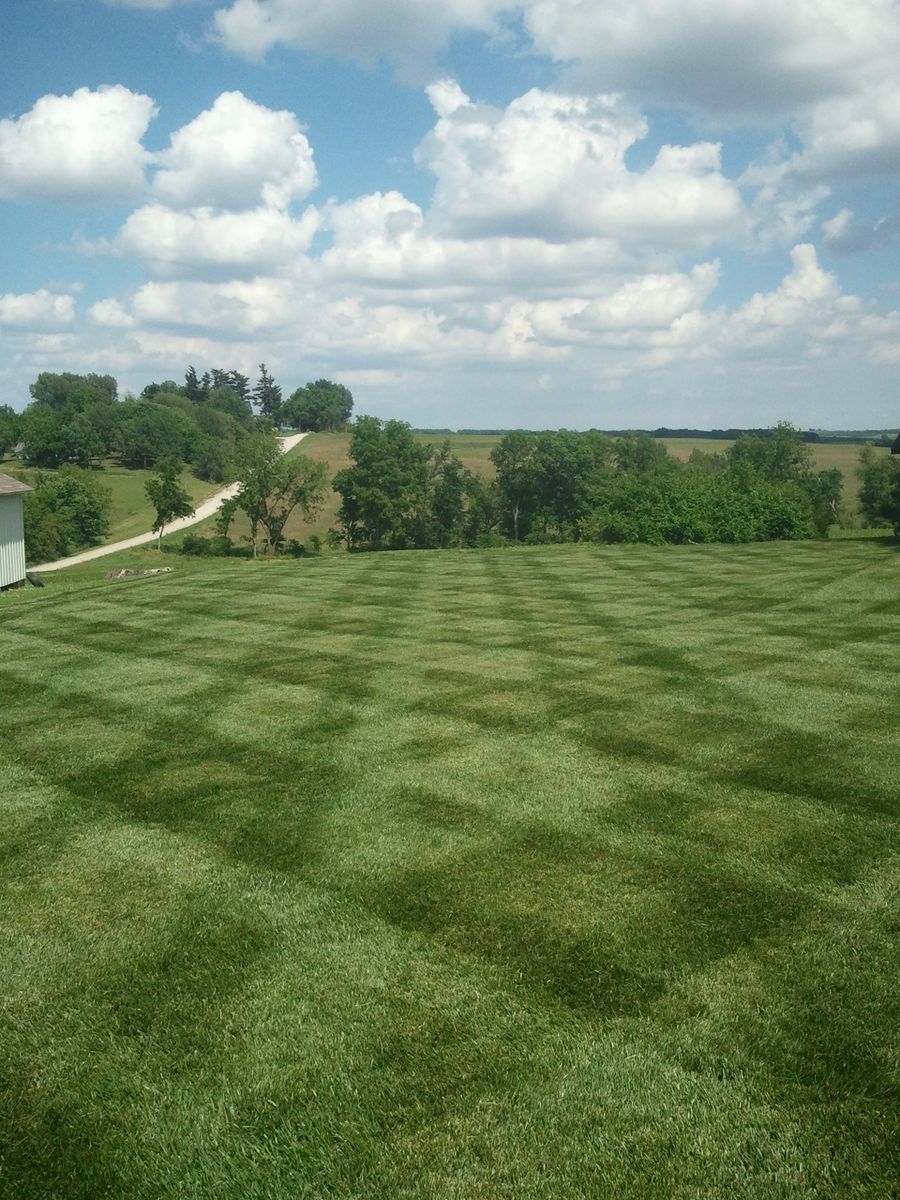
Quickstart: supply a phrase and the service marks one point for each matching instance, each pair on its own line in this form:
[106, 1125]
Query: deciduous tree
[167, 495]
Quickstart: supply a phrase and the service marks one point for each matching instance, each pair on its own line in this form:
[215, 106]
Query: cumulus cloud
[82, 147]
[853, 136]
[553, 165]
[111, 314]
[764, 59]
[209, 244]
[236, 155]
[406, 32]
[382, 243]
[40, 310]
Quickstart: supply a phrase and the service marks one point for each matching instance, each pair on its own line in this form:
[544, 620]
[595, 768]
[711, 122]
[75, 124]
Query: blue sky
[482, 213]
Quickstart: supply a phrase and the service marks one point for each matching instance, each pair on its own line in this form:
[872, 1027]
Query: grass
[558, 872]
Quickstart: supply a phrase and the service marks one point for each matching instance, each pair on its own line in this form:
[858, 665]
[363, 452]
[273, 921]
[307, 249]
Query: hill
[514, 873]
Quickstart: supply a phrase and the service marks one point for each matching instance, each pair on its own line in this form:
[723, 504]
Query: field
[559, 873]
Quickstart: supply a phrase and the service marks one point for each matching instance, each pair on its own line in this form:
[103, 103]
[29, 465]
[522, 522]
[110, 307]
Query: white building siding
[12, 541]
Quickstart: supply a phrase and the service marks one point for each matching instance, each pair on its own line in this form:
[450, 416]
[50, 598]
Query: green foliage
[879, 493]
[272, 486]
[515, 480]
[321, 406]
[167, 495]
[150, 432]
[225, 400]
[688, 505]
[267, 396]
[9, 429]
[65, 390]
[403, 494]
[71, 419]
[784, 458]
[67, 511]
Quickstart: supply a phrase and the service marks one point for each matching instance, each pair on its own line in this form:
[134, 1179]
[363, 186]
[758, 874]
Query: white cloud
[40, 310]
[82, 147]
[553, 166]
[853, 136]
[808, 298]
[236, 155]
[407, 32]
[735, 58]
[210, 244]
[843, 235]
[111, 314]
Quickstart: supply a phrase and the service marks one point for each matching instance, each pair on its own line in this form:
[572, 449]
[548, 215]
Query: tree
[166, 494]
[65, 389]
[225, 399]
[267, 396]
[783, 457]
[319, 406]
[640, 453]
[879, 493]
[272, 487]
[383, 493]
[67, 511]
[71, 419]
[150, 432]
[9, 429]
[515, 479]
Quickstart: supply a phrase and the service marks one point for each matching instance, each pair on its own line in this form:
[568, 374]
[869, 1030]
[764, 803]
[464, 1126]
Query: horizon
[468, 214]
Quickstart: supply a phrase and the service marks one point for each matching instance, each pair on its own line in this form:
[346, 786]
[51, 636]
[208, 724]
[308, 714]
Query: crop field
[557, 873]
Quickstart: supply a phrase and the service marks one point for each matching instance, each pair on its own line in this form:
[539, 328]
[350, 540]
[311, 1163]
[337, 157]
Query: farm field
[559, 872]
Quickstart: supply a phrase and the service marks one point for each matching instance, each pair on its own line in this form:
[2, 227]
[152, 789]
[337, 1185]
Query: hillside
[480, 874]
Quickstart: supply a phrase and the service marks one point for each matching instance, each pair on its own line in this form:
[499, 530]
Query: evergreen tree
[267, 396]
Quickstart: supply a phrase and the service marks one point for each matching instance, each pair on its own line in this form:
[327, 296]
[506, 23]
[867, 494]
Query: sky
[473, 213]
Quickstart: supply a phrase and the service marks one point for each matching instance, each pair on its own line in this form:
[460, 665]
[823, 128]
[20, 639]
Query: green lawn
[559, 873]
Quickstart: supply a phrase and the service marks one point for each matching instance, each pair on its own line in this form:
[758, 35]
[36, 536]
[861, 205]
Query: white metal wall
[12, 540]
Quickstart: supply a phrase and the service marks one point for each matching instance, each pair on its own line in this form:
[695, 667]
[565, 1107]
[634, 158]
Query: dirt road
[204, 510]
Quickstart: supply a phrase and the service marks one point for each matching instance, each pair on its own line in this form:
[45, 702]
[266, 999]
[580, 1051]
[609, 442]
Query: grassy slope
[132, 513]
[562, 872]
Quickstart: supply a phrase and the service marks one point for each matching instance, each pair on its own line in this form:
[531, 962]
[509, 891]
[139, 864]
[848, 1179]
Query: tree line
[75, 424]
[564, 486]
[80, 420]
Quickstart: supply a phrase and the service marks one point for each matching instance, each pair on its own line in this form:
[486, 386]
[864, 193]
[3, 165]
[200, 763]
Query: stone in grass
[124, 572]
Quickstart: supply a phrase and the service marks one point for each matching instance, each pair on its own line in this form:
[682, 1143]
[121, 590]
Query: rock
[124, 572]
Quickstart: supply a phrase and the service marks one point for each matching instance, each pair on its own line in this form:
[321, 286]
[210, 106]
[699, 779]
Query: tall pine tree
[267, 396]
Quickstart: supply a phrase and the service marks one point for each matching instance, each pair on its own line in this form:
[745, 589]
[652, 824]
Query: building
[12, 532]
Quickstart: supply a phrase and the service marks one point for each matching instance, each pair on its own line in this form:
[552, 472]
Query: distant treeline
[880, 437]
[562, 486]
[79, 420]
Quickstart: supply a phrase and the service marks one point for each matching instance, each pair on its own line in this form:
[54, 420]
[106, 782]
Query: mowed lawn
[565, 872]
